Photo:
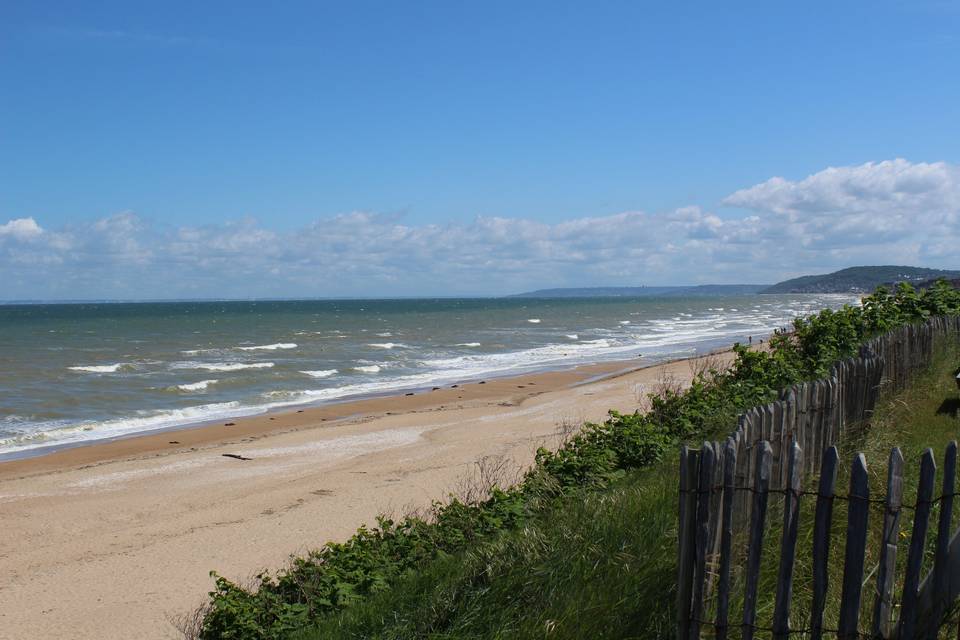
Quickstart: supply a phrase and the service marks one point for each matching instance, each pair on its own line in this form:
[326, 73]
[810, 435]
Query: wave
[57, 433]
[100, 368]
[368, 368]
[572, 336]
[533, 320]
[387, 345]
[385, 334]
[468, 344]
[270, 347]
[222, 366]
[197, 386]
[322, 373]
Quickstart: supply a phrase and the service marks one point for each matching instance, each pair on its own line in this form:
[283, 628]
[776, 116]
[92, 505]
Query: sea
[74, 374]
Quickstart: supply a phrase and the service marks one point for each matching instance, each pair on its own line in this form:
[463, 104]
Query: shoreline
[217, 430]
[114, 540]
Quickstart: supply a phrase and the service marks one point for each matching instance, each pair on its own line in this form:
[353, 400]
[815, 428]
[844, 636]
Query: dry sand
[111, 540]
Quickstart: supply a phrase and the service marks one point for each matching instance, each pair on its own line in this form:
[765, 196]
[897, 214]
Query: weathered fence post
[726, 538]
[758, 517]
[788, 545]
[704, 489]
[941, 557]
[686, 538]
[921, 520]
[858, 512]
[821, 539]
[883, 602]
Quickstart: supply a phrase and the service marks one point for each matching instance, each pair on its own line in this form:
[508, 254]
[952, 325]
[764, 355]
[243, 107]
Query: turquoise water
[78, 373]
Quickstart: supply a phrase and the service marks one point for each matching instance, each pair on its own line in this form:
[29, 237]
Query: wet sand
[112, 540]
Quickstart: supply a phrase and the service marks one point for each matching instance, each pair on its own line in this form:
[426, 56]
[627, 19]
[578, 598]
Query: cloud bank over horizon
[890, 212]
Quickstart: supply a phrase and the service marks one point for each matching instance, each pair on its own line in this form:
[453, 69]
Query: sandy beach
[113, 540]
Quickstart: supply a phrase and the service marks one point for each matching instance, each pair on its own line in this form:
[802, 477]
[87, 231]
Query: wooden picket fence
[725, 487]
[705, 577]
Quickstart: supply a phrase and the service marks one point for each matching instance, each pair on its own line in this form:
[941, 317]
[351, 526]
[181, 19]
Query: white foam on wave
[99, 368]
[445, 370]
[385, 334]
[222, 366]
[320, 373]
[197, 386]
[468, 344]
[624, 322]
[59, 432]
[572, 336]
[387, 345]
[533, 320]
[270, 347]
[368, 368]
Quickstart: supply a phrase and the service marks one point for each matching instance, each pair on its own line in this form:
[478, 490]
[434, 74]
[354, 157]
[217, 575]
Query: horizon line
[31, 301]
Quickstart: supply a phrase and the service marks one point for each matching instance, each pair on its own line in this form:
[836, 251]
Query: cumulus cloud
[21, 229]
[893, 208]
[886, 212]
[884, 188]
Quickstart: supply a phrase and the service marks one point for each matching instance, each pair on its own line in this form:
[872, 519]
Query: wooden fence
[721, 484]
[705, 577]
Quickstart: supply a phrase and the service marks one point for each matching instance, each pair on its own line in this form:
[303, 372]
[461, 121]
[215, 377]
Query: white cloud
[21, 229]
[886, 212]
[881, 189]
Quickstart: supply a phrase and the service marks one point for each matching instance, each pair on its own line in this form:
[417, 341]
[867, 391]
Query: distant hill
[859, 279]
[645, 292]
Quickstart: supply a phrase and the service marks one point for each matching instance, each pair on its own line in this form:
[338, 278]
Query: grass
[601, 564]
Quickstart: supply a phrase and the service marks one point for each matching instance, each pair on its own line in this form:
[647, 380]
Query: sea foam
[197, 386]
[368, 368]
[99, 368]
[270, 347]
[58, 432]
[222, 366]
[321, 373]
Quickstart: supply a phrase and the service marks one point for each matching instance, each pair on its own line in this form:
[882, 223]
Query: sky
[240, 149]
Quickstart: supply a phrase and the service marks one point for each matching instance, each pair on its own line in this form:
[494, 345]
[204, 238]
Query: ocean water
[77, 373]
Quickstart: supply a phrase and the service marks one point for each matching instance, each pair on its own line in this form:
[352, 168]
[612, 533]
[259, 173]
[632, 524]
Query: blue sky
[457, 139]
